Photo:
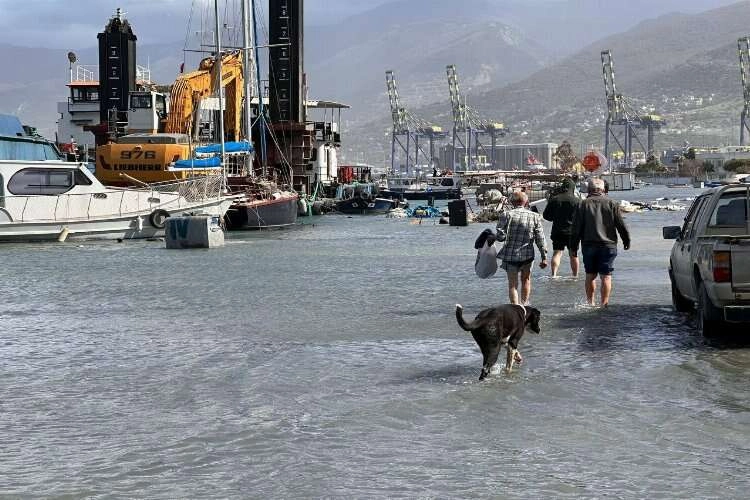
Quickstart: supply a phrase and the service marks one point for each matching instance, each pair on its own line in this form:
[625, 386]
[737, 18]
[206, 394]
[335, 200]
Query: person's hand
[626, 246]
[543, 263]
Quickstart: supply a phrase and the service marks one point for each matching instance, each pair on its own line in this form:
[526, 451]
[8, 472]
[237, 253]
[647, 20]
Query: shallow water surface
[326, 361]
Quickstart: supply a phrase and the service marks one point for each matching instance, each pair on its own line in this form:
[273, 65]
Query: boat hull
[446, 194]
[125, 227]
[263, 214]
[359, 206]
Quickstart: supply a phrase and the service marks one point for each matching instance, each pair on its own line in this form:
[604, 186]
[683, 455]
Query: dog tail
[460, 318]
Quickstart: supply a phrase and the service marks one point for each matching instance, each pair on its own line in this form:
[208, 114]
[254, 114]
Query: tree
[565, 157]
[653, 165]
[738, 166]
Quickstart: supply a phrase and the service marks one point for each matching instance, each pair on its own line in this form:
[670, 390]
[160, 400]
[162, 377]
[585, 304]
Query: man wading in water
[596, 223]
[520, 228]
[560, 211]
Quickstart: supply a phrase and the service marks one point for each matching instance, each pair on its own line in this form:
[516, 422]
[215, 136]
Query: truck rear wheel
[709, 318]
[679, 302]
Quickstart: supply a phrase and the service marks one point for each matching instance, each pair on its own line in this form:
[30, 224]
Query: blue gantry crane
[469, 126]
[409, 128]
[623, 121]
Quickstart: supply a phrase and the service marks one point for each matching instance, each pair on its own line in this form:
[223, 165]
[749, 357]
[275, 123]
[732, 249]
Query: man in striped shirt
[521, 228]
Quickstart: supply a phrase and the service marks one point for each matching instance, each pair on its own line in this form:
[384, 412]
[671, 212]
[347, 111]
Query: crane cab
[147, 113]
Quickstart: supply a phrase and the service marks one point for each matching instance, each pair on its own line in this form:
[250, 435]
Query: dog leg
[519, 358]
[510, 359]
[490, 359]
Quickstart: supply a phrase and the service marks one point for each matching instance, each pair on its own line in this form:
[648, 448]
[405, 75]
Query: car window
[731, 210]
[692, 215]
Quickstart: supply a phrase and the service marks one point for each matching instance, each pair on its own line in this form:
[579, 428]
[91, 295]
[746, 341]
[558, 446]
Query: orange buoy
[593, 161]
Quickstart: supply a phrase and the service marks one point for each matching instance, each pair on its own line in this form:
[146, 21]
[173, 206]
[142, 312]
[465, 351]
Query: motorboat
[362, 199]
[439, 187]
[43, 197]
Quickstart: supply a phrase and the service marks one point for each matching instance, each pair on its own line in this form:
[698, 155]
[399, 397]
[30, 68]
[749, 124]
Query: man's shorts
[598, 259]
[517, 267]
[560, 242]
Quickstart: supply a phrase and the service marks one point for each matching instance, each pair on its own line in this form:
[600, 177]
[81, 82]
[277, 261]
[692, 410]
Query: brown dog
[498, 326]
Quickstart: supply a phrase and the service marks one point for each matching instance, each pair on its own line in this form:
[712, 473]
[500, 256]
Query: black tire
[708, 316]
[158, 218]
[679, 302]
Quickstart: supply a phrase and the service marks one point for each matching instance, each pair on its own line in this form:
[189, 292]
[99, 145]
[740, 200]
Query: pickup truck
[709, 268]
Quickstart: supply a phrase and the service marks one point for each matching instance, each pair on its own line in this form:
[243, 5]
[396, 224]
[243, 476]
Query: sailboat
[265, 204]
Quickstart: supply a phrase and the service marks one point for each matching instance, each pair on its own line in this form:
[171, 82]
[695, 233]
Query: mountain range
[681, 66]
[533, 64]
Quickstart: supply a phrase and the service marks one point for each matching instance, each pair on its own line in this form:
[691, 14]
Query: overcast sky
[73, 24]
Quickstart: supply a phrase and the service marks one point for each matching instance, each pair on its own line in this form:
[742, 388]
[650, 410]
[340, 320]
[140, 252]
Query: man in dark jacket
[560, 211]
[596, 224]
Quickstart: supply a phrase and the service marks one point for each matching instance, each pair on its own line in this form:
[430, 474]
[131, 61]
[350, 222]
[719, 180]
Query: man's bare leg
[606, 288]
[590, 288]
[555, 264]
[574, 265]
[525, 287]
[513, 287]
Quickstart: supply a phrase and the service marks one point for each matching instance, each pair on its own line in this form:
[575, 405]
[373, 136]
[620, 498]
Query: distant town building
[507, 157]
[719, 156]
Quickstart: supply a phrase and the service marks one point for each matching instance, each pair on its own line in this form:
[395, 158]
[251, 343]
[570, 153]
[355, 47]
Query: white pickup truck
[710, 263]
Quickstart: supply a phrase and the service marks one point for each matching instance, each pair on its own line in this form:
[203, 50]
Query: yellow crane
[157, 139]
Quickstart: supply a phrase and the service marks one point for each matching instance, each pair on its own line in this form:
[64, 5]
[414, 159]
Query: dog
[497, 326]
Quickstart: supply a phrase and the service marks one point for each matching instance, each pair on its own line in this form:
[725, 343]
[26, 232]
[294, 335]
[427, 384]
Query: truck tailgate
[740, 265]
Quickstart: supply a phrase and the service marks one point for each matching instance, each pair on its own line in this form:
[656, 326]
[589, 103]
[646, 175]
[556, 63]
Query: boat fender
[158, 218]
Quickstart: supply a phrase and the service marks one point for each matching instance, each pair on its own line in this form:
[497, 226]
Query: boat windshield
[20, 149]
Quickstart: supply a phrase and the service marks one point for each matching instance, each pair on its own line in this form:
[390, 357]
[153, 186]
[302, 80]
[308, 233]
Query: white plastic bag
[486, 264]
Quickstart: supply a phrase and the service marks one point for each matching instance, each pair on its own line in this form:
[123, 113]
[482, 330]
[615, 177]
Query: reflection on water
[331, 355]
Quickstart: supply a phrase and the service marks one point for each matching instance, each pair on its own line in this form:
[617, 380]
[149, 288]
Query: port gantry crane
[743, 46]
[407, 128]
[621, 113]
[468, 122]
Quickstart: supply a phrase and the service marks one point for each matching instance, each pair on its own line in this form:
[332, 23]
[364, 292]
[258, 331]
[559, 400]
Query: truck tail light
[722, 266]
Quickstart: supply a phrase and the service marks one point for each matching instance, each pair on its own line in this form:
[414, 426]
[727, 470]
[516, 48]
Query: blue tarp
[229, 147]
[10, 125]
[211, 162]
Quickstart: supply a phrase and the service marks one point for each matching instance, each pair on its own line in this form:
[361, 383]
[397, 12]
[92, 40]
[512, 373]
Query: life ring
[158, 218]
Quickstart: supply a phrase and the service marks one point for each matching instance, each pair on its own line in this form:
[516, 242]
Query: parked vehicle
[709, 268]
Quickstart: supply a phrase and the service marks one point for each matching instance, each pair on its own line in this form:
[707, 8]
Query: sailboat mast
[248, 59]
[217, 39]
[261, 113]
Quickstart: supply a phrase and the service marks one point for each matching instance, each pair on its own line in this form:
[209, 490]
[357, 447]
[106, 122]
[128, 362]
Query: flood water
[326, 361]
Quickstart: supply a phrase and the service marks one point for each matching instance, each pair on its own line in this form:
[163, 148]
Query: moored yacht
[45, 198]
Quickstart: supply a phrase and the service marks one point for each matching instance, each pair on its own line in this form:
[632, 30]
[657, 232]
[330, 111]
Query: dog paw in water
[518, 357]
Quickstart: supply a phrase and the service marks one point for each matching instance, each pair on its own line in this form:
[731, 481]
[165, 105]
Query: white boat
[45, 198]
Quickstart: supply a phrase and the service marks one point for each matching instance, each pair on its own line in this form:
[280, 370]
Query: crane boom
[190, 88]
[459, 111]
[398, 114]
[614, 104]
[743, 49]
